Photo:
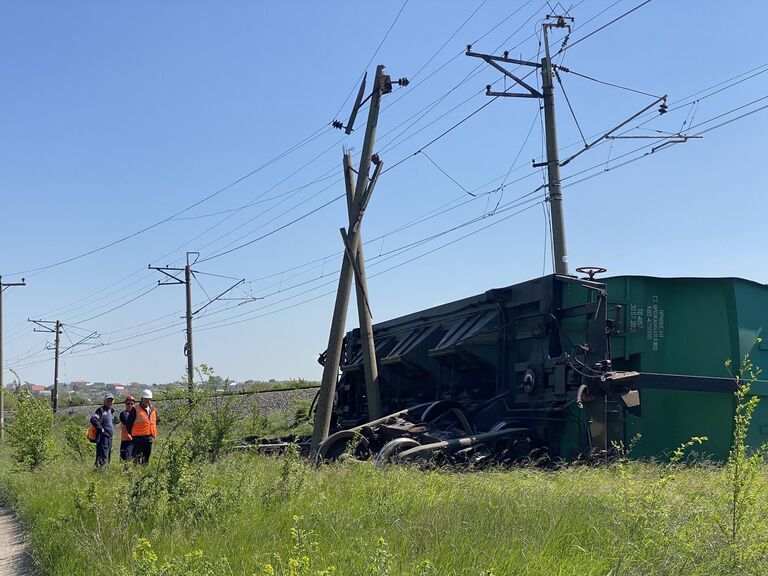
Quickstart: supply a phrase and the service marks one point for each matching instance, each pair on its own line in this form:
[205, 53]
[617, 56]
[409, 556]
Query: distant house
[80, 384]
[37, 388]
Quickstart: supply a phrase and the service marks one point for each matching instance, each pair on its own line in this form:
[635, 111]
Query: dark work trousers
[103, 450]
[142, 449]
[126, 449]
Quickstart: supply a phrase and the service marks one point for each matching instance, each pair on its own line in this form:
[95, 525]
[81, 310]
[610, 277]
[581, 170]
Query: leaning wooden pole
[357, 205]
[335, 339]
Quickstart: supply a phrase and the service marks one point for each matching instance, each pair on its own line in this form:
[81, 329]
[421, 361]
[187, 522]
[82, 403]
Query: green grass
[631, 518]
[199, 510]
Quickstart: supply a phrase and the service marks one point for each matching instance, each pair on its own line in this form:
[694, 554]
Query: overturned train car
[557, 365]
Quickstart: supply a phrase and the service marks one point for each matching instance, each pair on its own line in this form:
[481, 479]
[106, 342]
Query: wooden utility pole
[3, 286]
[55, 327]
[188, 347]
[55, 391]
[352, 264]
[356, 210]
[188, 316]
[45, 326]
[190, 313]
[555, 196]
[553, 159]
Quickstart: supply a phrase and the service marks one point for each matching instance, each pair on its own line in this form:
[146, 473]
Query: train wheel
[437, 409]
[337, 444]
[392, 448]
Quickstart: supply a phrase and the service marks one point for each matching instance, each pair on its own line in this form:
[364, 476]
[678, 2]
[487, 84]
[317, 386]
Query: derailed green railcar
[678, 333]
[557, 365]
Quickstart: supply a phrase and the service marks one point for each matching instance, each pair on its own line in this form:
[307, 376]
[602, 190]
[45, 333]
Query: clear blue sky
[115, 116]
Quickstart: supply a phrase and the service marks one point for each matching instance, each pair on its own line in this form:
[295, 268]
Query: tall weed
[30, 433]
[147, 563]
[300, 561]
[76, 441]
[740, 527]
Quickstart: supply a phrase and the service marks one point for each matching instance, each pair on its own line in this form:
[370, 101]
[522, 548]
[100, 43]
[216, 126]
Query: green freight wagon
[557, 365]
[678, 333]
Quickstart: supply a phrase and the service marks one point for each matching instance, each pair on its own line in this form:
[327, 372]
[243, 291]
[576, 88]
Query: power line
[568, 101]
[446, 132]
[216, 255]
[732, 81]
[89, 299]
[758, 70]
[439, 234]
[412, 77]
[603, 27]
[654, 147]
[271, 220]
[306, 140]
[733, 119]
[317, 133]
[388, 256]
[219, 324]
[451, 178]
[245, 244]
[119, 306]
[574, 183]
[516, 158]
[305, 215]
[458, 55]
[403, 227]
[474, 72]
[278, 229]
[569, 71]
[375, 52]
[164, 220]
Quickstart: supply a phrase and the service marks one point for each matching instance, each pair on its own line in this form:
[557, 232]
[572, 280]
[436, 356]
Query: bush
[208, 422]
[77, 443]
[9, 399]
[30, 433]
[211, 425]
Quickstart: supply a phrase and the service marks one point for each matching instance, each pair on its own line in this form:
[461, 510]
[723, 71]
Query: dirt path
[14, 560]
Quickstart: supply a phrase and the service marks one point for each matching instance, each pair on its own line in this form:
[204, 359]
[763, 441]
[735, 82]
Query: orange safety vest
[145, 424]
[124, 436]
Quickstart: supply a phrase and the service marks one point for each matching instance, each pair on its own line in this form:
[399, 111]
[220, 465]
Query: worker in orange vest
[142, 426]
[126, 440]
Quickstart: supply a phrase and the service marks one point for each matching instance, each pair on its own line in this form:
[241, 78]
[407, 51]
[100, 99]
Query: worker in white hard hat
[142, 426]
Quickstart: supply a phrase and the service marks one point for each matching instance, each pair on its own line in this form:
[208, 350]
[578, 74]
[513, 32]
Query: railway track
[266, 401]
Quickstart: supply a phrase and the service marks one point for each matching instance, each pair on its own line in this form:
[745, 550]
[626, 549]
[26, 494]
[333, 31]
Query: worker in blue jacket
[102, 420]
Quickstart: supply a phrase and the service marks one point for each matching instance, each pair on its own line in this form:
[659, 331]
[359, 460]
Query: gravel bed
[267, 402]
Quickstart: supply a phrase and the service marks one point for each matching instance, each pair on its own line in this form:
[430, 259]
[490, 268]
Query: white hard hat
[146, 394]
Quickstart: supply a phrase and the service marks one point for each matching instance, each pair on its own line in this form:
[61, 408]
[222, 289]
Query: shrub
[77, 443]
[211, 420]
[30, 433]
